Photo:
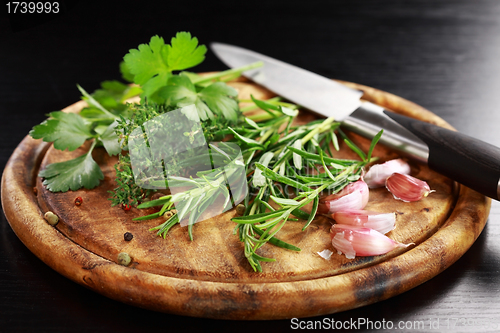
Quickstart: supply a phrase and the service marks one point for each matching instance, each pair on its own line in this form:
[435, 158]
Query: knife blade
[469, 161]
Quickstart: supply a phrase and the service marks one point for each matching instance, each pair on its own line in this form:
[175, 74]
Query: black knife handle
[469, 161]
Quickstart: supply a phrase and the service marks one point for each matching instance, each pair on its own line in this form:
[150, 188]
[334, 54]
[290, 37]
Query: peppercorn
[78, 201]
[240, 209]
[124, 259]
[51, 218]
[128, 236]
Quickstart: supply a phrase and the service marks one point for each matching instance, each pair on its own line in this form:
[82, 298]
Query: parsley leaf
[126, 75]
[66, 130]
[217, 97]
[152, 64]
[70, 131]
[72, 174]
[181, 92]
[146, 61]
[110, 140]
[113, 94]
[184, 52]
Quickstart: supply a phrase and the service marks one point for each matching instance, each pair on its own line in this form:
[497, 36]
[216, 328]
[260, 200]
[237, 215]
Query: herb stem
[255, 107]
[232, 71]
[323, 126]
[96, 103]
[263, 116]
[259, 197]
[266, 135]
[318, 129]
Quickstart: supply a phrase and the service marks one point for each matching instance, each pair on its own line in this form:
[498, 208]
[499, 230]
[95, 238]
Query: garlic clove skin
[353, 196]
[378, 173]
[382, 222]
[407, 188]
[359, 241]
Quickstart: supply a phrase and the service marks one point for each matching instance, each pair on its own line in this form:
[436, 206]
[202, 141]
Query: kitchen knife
[469, 161]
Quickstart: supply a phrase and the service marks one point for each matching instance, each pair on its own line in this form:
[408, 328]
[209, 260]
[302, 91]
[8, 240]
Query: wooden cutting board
[210, 277]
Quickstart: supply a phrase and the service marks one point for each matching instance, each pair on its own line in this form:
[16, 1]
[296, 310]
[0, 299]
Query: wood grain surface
[209, 277]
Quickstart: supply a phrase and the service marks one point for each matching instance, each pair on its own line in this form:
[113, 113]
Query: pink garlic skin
[353, 196]
[382, 222]
[359, 241]
[378, 173]
[407, 188]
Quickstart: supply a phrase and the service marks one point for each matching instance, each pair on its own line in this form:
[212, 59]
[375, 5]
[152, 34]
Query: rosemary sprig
[271, 222]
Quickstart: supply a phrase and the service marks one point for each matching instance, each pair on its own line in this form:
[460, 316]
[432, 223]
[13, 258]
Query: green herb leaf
[312, 215]
[153, 203]
[375, 139]
[147, 217]
[252, 123]
[268, 173]
[297, 159]
[215, 98]
[278, 242]
[257, 217]
[317, 158]
[181, 92]
[66, 130]
[113, 94]
[92, 101]
[110, 140]
[146, 61]
[126, 75]
[82, 171]
[284, 202]
[184, 52]
[220, 99]
[152, 64]
[244, 139]
[266, 106]
[288, 111]
[258, 179]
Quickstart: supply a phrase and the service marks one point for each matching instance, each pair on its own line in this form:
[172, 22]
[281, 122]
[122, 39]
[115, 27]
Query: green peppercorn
[124, 259]
[51, 218]
[240, 209]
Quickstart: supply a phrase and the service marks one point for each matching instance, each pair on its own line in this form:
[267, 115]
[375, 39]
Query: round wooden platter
[210, 277]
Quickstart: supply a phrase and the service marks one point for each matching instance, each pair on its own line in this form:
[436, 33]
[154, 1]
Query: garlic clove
[353, 196]
[359, 241]
[378, 173]
[407, 188]
[382, 222]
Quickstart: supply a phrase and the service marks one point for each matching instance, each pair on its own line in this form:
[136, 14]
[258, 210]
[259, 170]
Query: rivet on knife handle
[469, 161]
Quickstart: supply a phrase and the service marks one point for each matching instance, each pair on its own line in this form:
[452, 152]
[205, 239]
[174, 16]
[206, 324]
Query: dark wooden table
[443, 55]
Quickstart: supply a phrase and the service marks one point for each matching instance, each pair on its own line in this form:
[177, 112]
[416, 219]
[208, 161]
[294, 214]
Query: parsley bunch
[151, 66]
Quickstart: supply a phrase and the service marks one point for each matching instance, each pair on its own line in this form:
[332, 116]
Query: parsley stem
[253, 107]
[95, 103]
[219, 75]
[263, 116]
